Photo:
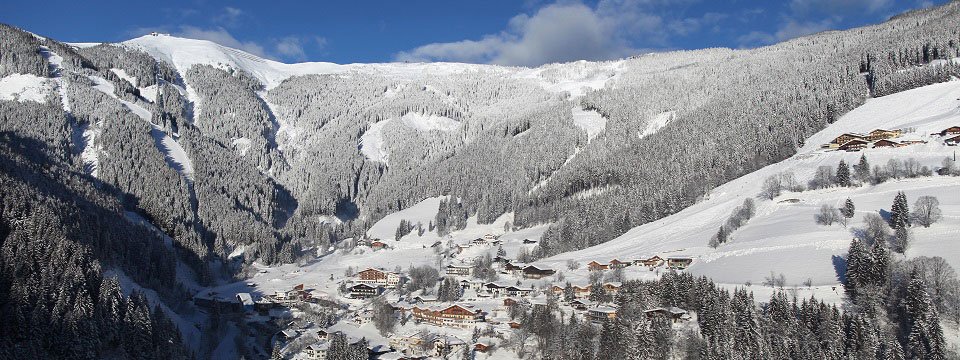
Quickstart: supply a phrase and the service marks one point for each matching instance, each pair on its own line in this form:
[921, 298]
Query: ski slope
[590, 121]
[25, 87]
[783, 236]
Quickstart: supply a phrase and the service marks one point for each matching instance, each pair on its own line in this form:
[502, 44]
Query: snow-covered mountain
[176, 167]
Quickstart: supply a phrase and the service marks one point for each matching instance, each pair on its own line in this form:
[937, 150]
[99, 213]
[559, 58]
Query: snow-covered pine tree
[862, 170]
[901, 239]
[900, 212]
[859, 267]
[843, 174]
[848, 210]
[880, 273]
[925, 339]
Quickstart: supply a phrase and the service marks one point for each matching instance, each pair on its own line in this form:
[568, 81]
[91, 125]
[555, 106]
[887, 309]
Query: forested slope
[240, 159]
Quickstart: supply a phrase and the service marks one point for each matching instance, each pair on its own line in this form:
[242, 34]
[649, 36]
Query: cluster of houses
[245, 302]
[374, 244]
[487, 240]
[653, 262]
[420, 345]
[507, 267]
[372, 282]
[883, 138]
[876, 138]
[950, 135]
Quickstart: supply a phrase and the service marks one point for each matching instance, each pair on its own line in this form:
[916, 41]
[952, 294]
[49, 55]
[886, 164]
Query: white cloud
[230, 17]
[291, 47]
[221, 36]
[558, 32]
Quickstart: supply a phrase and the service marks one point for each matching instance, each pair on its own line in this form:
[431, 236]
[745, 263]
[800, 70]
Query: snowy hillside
[783, 237]
[183, 53]
[575, 78]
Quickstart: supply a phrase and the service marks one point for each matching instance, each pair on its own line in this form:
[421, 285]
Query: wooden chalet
[378, 245]
[408, 345]
[679, 263]
[317, 351]
[364, 291]
[246, 301]
[886, 143]
[847, 137]
[508, 302]
[601, 314]
[953, 130]
[596, 266]
[455, 316]
[487, 239]
[378, 277]
[518, 291]
[424, 299]
[854, 145]
[459, 270]
[512, 268]
[288, 334]
[471, 284]
[295, 295]
[616, 263]
[953, 141]
[363, 317]
[556, 290]
[881, 134]
[494, 289]
[535, 272]
[611, 288]
[582, 304]
[675, 314]
[652, 262]
[581, 292]
[481, 347]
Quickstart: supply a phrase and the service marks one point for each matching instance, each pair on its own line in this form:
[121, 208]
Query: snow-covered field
[25, 87]
[373, 144]
[783, 236]
[591, 121]
[657, 123]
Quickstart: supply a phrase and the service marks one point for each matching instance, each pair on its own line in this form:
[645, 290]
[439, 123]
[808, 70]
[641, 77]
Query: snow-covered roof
[245, 298]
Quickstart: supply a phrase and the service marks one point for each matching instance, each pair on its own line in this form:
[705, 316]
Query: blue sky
[524, 32]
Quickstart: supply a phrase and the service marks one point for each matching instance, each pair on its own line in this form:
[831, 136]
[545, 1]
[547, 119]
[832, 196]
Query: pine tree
[863, 170]
[901, 239]
[859, 267]
[597, 294]
[645, 344]
[880, 274]
[843, 174]
[900, 212]
[848, 210]
[568, 293]
[748, 336]
[925, 340]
